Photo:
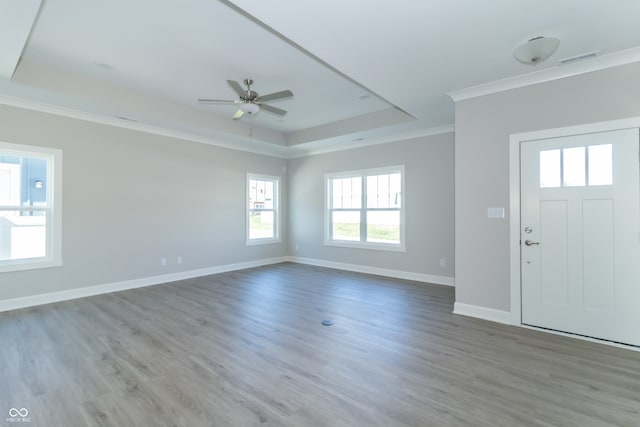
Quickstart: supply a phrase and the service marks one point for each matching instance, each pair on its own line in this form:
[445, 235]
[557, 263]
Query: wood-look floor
[247, 348]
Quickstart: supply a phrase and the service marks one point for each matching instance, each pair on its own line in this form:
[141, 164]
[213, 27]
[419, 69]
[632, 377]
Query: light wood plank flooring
[247, 348]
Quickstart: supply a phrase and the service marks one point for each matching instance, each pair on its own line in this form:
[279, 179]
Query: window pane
[383, 226]
[22, 235]
[23, 181]
[346, 225]
[260, 194]
[383, 191]
[601, 164]
[372, 191]
[253, 193]
[573, 167]
[336, 193]
[268, 194]
[261, 225]
[395, 187]
[550, 169]
[346, 193]
[378, 191]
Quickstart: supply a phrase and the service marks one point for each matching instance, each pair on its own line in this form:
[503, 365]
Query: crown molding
[253, 146]
[233, 143]
[549, 74]
[322, 147]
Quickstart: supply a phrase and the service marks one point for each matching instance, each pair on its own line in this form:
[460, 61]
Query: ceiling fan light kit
[536, 50]
[249, 108]
[250, 102]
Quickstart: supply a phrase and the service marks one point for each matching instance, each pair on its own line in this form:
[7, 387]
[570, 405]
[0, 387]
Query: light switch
[495, 213]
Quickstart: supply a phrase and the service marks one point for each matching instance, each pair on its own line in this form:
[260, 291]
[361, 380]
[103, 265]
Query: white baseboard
[485, 313]
[33, 300]
[396, 274]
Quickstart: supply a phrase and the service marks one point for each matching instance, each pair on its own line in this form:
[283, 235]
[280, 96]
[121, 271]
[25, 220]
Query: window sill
[256, 242]
[23, 265]
[369, 246]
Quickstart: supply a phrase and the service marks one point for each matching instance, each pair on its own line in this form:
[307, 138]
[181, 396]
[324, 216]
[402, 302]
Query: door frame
[515, 141]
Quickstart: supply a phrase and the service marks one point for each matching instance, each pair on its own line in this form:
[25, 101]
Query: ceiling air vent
[127, 119]
[580, 57]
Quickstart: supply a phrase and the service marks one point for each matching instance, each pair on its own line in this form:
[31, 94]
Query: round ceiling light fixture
[536, 50]
[249, 108]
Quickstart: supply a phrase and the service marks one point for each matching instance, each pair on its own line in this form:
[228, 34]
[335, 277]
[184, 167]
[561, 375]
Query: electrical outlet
[179, 260]
[163, 262]
[443, 262]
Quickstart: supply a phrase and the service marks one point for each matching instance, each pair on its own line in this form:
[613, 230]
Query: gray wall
[429, 204]
[130, 198]
[482, 129]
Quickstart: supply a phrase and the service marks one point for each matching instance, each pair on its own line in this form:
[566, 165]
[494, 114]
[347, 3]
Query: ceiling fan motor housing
[250, 97]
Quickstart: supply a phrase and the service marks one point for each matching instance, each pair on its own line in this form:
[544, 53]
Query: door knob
[531, 243]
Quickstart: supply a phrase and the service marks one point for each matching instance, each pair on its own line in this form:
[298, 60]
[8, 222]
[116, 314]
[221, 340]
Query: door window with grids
[577, 166]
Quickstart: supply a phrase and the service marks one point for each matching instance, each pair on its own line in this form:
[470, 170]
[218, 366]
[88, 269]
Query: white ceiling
[360, 70]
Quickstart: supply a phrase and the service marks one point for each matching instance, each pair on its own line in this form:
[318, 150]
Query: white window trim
[54, 219]
[401, 247]
[276, 210]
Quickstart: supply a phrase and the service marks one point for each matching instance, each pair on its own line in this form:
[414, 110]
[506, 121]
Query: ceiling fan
[250, 102]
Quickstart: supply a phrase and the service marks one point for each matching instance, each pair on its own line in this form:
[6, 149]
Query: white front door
[580, 236]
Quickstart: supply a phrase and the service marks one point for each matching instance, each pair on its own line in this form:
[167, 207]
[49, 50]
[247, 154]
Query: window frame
[276, 210]
[53, 210]
[362, 243]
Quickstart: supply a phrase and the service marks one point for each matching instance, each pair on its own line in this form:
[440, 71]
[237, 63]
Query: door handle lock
[531, 243]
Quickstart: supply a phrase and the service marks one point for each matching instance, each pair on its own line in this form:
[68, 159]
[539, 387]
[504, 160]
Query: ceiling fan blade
[274, 96]
[238, 114]
[237, 88]
[273, 110]
[218, 101]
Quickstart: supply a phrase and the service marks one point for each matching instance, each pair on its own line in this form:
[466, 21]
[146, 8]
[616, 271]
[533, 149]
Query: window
[365, 209]
[30, 221]
[263, 206]
[577, 166]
